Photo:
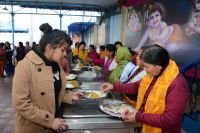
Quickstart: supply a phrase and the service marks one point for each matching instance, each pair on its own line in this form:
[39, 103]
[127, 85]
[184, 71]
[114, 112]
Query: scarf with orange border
[155, 103]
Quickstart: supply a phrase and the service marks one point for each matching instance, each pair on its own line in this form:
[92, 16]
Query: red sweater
[176, 98]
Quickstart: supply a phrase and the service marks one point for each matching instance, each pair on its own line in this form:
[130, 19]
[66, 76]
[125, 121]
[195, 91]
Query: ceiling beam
[111, 11]
[58, 6]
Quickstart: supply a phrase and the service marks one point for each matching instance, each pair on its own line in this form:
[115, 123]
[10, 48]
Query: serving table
[85, 116]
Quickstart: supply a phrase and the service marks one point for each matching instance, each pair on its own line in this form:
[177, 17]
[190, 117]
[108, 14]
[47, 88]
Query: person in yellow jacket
[82, 53]
[75, 50]
[102, 52]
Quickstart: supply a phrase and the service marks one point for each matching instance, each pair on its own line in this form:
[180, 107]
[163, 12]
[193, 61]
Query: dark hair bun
[45, 28]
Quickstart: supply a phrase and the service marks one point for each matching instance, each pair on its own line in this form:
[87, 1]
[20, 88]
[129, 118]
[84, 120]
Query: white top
[129, 69]
[139, 76]
[113, 64]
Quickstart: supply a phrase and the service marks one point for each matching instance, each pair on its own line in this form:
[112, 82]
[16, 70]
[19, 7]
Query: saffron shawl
[155, 103]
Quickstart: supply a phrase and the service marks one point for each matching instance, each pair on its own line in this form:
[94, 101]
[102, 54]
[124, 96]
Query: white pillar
[13, 26]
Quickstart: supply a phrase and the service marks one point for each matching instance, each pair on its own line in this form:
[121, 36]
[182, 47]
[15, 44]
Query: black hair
[81, 43]
[132, 51]
[118, 43]
[155, 55]
[33, 43]
[102, 47]
[54, 37]
[70, 42]
[7, 47]
[144, 47]
[76, 44]
[92, 47]
[21, 44]
[2, 44]
[7, 42]
[111, 48]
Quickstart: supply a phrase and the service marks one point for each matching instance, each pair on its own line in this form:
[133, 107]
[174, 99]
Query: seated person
[118, 44]
[124, 68]
[138, 74]
[92, 53]
[82, 53]
[75, 50]
[133, 55]
[102, 52]
[108, 63]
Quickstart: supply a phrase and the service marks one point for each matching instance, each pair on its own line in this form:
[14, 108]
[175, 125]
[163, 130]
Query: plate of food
[76, 69]
[114, 107]
[72, 84]
[71, 76]
[93, 94]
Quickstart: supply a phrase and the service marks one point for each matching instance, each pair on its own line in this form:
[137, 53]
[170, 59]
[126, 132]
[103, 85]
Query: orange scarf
[102, 54]
[129, 101]
[155, 103]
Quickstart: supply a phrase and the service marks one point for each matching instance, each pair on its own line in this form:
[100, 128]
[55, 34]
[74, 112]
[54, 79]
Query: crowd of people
[161, 93]
[147, 79]
[10, 57]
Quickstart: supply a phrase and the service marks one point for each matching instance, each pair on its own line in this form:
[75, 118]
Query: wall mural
[174, 25]
[134, 23]
[194, 25]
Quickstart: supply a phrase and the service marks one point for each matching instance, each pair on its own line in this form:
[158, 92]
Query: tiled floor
[7, 113]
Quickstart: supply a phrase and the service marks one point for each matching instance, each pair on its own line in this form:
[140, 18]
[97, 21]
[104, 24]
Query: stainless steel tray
[84, 109]
[91, 76]
[91, 85]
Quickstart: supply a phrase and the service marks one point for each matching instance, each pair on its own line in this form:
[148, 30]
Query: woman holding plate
[162, 93]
